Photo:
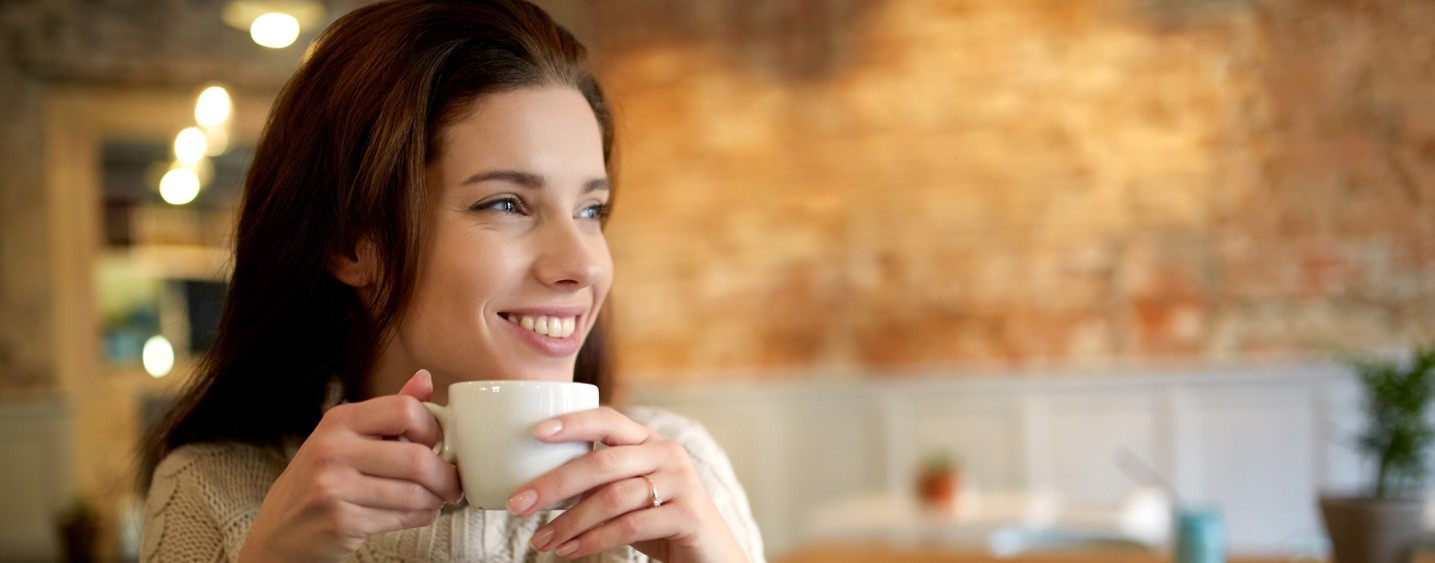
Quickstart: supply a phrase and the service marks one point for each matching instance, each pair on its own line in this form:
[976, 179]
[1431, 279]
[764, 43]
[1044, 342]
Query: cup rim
[518, 383]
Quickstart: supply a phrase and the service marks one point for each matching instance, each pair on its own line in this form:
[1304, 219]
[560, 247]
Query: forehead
[541, 127]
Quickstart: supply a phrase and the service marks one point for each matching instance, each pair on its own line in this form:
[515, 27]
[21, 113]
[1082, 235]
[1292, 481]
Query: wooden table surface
[857, 553]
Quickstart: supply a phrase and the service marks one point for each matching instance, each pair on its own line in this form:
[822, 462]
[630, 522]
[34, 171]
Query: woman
[425, 206]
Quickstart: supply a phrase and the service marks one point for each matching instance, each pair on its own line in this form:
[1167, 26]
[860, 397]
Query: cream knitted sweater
[204, 498]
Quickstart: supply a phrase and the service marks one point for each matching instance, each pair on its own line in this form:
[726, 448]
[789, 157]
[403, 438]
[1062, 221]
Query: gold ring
[654, 500]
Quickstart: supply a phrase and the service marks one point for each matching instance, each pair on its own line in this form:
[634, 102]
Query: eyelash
[514, 205]
[600, 211]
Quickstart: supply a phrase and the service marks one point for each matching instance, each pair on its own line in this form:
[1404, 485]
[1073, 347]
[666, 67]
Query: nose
[569, 256]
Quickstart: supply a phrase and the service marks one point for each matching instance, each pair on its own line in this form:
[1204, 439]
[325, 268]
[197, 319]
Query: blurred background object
[1034, 234]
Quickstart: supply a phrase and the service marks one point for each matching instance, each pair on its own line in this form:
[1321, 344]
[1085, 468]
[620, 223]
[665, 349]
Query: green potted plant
[1384, 525]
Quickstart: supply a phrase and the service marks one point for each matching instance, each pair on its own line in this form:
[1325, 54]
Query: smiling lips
[550, 326]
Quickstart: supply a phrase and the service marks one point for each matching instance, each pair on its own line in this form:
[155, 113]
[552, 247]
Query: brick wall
[26, 362]
[881, 186]
[875, 187]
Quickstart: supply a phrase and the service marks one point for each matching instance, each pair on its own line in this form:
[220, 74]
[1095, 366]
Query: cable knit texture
[205, 496]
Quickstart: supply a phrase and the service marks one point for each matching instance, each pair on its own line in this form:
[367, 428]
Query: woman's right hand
[351, 479]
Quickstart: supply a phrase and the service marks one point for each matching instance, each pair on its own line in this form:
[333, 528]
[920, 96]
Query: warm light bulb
[190, 146]
[274, 30]
[213, 107]
[158, 356]
[179, 186]
[204, 170]
[216, 141]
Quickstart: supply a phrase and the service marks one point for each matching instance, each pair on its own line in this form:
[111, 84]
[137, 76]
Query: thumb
[420, 386]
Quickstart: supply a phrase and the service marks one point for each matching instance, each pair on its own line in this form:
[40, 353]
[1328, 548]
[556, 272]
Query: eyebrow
[528, 180]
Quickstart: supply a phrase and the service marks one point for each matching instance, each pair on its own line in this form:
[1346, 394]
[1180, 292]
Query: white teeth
[556, 327]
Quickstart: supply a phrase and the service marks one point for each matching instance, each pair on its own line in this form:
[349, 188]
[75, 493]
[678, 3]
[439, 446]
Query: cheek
[463, 271]
[605, 276]
[476, 276]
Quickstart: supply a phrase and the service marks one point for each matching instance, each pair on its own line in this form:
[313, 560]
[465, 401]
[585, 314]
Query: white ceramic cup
[488, 433]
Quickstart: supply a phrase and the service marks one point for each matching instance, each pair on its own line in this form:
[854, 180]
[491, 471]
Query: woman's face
[513, 266]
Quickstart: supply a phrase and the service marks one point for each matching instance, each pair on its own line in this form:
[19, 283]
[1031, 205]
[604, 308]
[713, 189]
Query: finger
[370, 521]
[409, 462]
[393, 495]
[387, 416]
[627, 529]
[604, 504]
[587, 472]
[420, 386]
[602, 424]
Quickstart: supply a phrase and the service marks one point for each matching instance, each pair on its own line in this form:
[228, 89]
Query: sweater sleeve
[715, 470]
[203, 499]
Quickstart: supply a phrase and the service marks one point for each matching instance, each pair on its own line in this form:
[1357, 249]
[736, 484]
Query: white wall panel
[1257, 451]
[832, 449]
[1089, 431]
[1262, 441]
[1338, 420]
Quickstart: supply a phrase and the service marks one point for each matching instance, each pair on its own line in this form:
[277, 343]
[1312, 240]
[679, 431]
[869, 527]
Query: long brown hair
[341, 160]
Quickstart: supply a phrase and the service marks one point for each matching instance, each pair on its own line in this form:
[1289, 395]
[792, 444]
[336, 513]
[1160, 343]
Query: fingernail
[567, 548]
[547, 428]
[541, 539]
[522, 501]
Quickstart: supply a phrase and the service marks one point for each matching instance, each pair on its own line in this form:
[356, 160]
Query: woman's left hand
[642, 490]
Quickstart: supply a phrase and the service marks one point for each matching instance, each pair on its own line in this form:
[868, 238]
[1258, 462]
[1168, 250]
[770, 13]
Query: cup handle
[444, 447]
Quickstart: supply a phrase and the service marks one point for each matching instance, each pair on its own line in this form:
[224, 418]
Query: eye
[597, 211]
[502, 205]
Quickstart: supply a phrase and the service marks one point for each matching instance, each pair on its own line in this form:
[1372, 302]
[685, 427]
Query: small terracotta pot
[1372, 530]
[937, 489]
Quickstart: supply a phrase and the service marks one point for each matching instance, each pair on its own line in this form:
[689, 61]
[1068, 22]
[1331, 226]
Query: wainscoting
[34, 477]
[1259, 442]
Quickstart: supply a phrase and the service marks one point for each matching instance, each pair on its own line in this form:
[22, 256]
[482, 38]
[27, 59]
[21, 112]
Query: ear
[358, 268]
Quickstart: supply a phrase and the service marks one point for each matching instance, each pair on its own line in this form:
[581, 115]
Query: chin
[534, 371]
[559, 376]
